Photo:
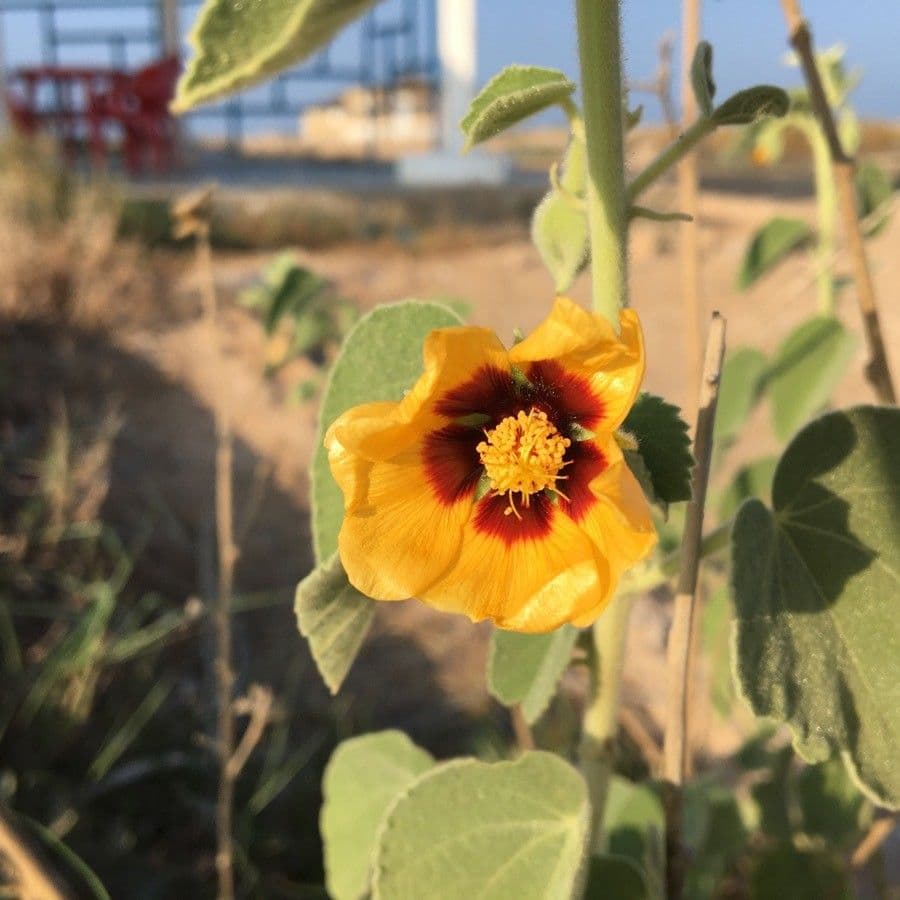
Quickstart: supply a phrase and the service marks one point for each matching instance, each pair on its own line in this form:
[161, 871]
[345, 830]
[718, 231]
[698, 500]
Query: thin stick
[878, 370]
[192, 216]
[877, 834]
[27, 872]
[688, 200]
[675, 750]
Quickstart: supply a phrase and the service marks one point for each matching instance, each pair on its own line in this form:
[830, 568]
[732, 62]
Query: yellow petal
[586, 344]
[619, 524]
[452, 356]
[396, 538]
[532, 585]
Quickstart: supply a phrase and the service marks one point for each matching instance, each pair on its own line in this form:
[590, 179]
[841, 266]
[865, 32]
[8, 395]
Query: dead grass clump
[62, 259]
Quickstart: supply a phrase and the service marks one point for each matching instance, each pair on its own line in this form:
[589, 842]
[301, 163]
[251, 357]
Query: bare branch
[675, 748]
[878, 369]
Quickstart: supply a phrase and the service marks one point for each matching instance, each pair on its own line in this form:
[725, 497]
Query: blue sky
[748, 37]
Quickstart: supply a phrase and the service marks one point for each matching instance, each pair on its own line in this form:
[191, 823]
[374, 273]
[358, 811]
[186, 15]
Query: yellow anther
[523, 455]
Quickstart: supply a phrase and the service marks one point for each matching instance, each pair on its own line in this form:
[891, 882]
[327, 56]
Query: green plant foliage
[526, 668]
[739, 389]
[831, 804]
[239, 44]
[715, 632]
[751, 104]
[752, 480]
[334, 618]
[771, 244]
[380, 359]
[702, 78]
[512, 95]
[772, 796]
[815, 586]
[873, 193]
[490, 830]
[714, 831]
[785, 871]
[361, 780]
[559, 231]
[663, 442]
[805, 370]
[615, 877]
[635, 828]
[559, 227]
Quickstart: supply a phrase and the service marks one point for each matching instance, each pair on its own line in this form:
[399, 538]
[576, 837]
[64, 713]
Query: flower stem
[597, 751]
[670, 156]
[826, 212]
[600, 52]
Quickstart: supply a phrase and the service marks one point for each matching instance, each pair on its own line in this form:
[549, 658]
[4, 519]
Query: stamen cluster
[523, 454]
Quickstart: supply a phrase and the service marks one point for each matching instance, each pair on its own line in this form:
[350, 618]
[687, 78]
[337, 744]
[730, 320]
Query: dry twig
[879, 832]
[675, 749]
[688, 199]
[878, 370]
[192, 215]
[521, 728]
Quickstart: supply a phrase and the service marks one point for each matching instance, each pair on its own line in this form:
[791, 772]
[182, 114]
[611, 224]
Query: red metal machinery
[103, 108]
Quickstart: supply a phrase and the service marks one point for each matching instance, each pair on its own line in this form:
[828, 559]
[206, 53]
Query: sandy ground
[504, 281]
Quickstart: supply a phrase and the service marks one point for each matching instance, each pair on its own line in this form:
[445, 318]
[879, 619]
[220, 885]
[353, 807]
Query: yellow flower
[497, 487]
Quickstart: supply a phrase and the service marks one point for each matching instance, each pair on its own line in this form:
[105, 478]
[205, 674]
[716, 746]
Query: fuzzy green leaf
[816, 583]
[559, 231]
[771, 244]
[751, 104]
[237, 44]
[381, 358]
[490, 830]
[702, 78]
[663, 442]
[334, 618]
[362, 778]
[559, 226]
[805, 370]
[511, 96]
[739, 389]
[526, 668]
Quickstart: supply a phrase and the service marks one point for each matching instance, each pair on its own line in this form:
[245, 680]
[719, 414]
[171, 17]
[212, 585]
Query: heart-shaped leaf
[816, 582]
[492, 830]
[362, 779]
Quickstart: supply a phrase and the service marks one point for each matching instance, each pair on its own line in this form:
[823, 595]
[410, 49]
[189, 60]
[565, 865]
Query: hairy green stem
[597, 750]
[826, 212]
[600, 53]
[670, 156]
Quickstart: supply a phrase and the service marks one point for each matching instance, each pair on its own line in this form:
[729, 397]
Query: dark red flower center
[562, 402]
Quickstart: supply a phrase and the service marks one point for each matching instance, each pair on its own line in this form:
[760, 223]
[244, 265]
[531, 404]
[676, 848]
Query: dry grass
[62, 258]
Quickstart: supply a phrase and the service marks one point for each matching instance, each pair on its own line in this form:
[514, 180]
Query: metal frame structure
[397, 40]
